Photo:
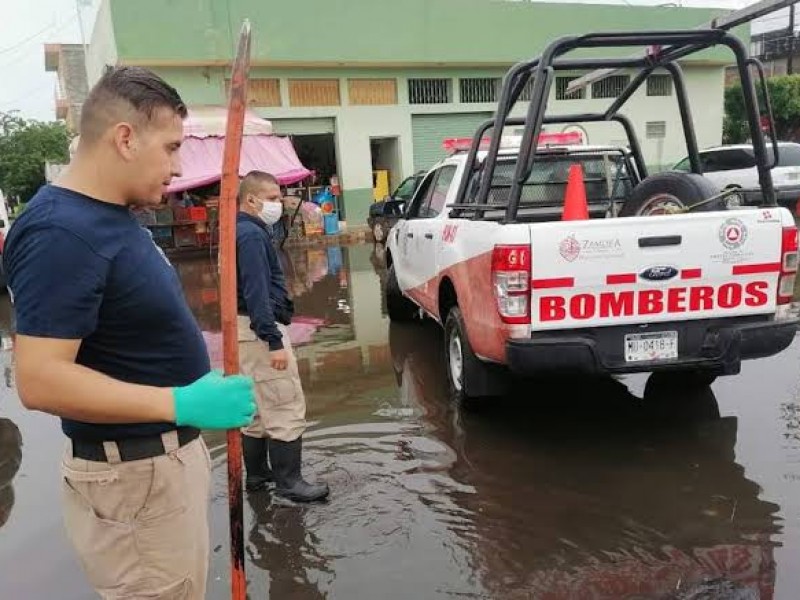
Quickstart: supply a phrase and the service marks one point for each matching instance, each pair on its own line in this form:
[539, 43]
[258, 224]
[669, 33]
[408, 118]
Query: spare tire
[666, 193]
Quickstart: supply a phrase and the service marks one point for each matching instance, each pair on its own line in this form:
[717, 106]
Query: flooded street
[564, 489]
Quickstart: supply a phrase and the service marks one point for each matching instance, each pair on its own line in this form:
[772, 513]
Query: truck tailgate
[607, 272]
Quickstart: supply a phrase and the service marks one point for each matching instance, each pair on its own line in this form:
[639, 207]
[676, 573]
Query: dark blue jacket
[260, 285]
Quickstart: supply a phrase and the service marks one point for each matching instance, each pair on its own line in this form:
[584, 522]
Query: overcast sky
[26, 25]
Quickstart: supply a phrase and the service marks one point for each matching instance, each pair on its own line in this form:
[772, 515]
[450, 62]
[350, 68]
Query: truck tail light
[511, 277]
[788, 265]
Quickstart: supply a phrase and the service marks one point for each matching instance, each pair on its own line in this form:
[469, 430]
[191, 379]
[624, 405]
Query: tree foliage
[784, 93]
[25, 146]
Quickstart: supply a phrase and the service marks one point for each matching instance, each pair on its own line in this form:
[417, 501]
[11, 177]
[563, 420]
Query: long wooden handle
[228, 207]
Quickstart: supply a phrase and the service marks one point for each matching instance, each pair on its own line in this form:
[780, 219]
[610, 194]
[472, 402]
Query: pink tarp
[201, 160]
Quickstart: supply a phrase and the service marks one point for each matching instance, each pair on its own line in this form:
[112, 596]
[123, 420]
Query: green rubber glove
[215, 402]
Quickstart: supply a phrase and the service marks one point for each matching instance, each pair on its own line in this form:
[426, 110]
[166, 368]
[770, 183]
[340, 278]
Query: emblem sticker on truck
[733, 233]
[571, 248]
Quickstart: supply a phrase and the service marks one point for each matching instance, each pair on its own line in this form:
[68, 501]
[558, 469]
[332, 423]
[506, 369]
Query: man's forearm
[69, 390]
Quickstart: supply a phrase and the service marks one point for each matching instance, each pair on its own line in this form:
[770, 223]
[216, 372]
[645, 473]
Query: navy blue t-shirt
[79, 268]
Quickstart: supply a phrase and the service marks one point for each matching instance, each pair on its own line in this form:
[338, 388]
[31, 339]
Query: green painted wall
[385, 31]
[357, 203]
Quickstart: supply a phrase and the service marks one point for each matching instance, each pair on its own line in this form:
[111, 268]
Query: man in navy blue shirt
[106, 341]
[265, 352]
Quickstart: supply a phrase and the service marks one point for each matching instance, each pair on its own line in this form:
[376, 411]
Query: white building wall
[103, 49]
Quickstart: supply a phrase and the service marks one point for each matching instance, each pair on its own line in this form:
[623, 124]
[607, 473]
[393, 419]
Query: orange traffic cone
[575, 206]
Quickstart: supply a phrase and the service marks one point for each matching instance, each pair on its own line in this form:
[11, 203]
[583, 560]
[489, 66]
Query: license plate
[661, 345]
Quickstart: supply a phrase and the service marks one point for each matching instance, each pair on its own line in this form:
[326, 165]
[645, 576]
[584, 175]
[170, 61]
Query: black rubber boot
[286, 459]
[255, 463]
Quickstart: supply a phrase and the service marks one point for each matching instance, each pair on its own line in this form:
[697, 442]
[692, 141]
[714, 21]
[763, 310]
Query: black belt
[131, 448]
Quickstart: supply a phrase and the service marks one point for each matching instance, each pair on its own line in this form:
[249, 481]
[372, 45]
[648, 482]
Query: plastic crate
[185, 236]
[181, 214]
[145, 216]
[161, 232]
[198, 213]
[164, 216]
[162, 236]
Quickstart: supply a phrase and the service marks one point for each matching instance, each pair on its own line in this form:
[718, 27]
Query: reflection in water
[10, 459]
[560, 490]
[280, 544]
[583, 490]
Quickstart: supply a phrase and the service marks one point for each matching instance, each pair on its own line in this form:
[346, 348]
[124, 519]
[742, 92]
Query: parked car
[384, 214]
[734, 166]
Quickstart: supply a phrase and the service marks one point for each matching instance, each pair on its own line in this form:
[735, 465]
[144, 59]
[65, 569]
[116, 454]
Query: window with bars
[430, 91]
[527, 91]
[659, 85]
[479, 89]
[561, 90]
[610, 87]
[656, 130]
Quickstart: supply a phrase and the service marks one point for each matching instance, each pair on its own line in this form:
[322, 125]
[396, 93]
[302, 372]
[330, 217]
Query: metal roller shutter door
[430, 130]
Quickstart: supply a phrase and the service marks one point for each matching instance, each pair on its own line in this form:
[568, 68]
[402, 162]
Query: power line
[51, 29]
[34, 91]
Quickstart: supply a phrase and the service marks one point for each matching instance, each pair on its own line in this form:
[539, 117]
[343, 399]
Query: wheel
[398, 306]
[468, 377]
[378, 233]
[671, 193]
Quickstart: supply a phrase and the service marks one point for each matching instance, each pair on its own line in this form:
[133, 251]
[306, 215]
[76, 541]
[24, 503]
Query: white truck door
[407, 233]
[428, 235]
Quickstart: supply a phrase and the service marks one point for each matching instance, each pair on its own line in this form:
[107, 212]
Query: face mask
[271, 212]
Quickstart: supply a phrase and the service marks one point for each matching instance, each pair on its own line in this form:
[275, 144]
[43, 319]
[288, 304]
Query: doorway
[386, 172]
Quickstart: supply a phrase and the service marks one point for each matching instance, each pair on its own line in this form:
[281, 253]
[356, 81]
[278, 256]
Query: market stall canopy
[204, 140]
[210, 121]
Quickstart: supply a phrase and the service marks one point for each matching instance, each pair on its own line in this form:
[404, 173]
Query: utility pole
[790, 59]
[79, 5]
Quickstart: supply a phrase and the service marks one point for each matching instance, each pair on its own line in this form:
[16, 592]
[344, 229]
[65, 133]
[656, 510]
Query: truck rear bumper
[711, 344]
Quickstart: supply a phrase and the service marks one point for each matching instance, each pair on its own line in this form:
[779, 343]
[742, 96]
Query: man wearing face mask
[265, 353]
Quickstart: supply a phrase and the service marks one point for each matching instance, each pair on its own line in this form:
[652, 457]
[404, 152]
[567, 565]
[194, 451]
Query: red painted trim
[621, 278]
[757, 268]
[549, 284]
[691, 273]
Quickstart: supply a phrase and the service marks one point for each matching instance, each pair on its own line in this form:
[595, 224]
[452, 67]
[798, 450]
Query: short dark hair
[124, 89]
[252, 180]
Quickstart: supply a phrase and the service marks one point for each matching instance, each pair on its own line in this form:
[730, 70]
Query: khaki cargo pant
[281, 413]
[140, 528]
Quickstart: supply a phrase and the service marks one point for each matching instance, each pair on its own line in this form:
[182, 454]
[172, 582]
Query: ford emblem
[660, 273]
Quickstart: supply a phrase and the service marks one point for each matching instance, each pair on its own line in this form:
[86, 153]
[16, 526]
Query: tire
[400, 308]
[659, 194]
[378, 233]
[468, 377]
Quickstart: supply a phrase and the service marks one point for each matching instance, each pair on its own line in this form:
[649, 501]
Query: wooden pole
[228, 207]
